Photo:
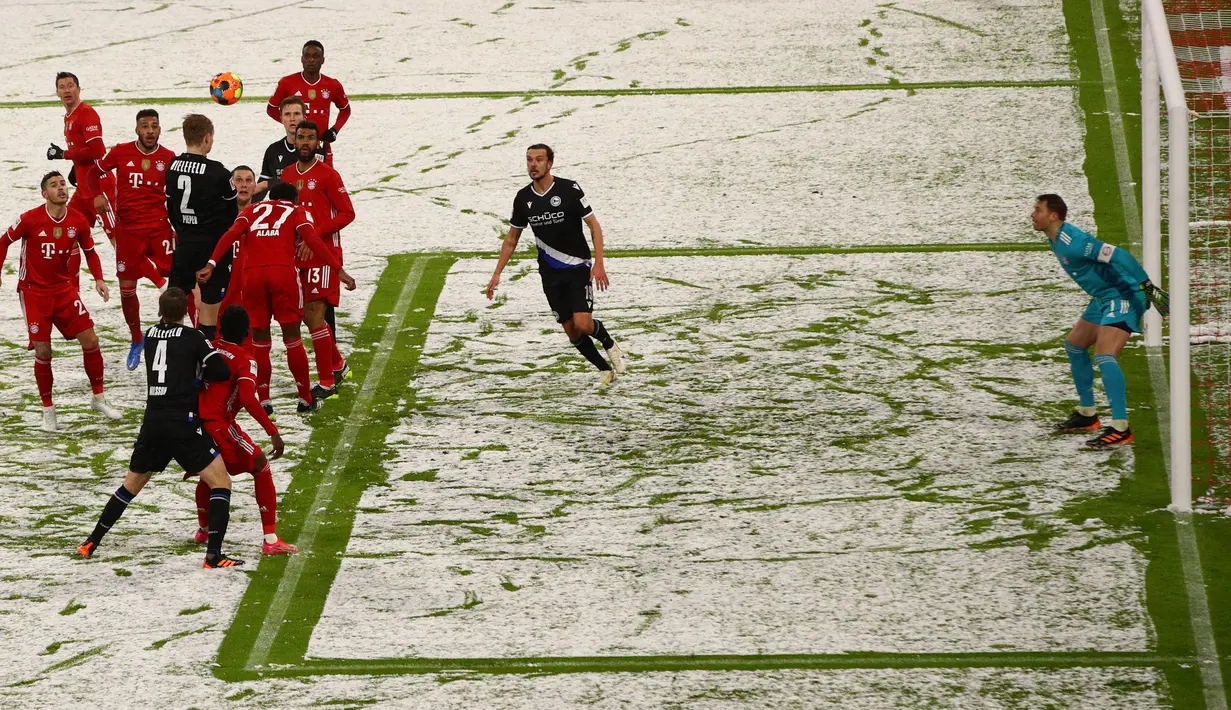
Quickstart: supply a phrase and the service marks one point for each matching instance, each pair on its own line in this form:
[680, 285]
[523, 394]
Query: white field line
[276, 612]
[1190, 557]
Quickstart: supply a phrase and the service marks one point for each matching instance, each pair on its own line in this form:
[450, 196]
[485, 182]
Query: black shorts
[568, 291]
[192, 256]
[164, 437]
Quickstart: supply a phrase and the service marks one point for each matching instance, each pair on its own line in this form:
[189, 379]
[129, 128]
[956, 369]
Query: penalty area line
[275, 613]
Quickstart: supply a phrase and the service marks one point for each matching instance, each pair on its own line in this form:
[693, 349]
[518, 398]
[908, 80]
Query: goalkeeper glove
[330, 135]
[1157, 297]
[55, 152]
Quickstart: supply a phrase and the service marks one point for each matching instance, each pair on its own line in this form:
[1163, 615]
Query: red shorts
[133, 245]
[320, 283]
[234, 445]
[65, 310]
[272, 292]
[83, 201]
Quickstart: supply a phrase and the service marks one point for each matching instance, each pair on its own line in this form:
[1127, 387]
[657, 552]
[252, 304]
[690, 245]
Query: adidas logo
[130, 164]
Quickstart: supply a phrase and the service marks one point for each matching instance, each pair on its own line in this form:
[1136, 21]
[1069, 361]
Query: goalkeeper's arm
[1127, 268]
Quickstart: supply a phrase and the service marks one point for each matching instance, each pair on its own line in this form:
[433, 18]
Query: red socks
[132, 312]
[260, 353]
[93, 369]
[203, 491]
[266, 499]
[42, 375]
[326, 353]
[297, 360]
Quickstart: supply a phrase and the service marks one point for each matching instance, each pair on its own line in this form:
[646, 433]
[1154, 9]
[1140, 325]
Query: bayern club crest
[312, 184]
[72, 232]
[34, 328]
[119, 268]
[325, 94]
[160, 166]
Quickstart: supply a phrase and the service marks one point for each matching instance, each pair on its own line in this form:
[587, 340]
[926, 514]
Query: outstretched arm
[506, 252]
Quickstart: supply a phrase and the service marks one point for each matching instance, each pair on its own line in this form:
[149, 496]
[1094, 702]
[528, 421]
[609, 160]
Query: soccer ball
[226, 88]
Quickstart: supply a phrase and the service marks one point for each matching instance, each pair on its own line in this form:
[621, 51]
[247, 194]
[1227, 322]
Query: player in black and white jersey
[176, 356]
[554, 209]
[201, 205]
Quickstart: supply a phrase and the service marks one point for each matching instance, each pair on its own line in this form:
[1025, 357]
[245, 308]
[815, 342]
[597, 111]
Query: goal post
[1160, 68]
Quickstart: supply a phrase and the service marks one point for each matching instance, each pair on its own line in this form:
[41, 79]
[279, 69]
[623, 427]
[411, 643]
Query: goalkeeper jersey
[1102, 270]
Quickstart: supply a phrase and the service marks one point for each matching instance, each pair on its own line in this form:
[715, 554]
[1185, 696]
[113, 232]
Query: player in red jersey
[322, 193]
[83, 133]
[220, 402]
[53, 236]
[246, 186]
[319, 93]
[142, 235]
[269, 231]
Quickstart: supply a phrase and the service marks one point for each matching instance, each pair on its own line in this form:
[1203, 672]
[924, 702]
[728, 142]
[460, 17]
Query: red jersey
[220, 401]
[320, 97]
[83, 132]
[141, 178]
[323, 195]
[269, 231]
[51, 251]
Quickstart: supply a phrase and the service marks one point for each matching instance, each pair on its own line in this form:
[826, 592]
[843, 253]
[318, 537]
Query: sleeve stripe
[248, 378]
[517, 226]
[95, 138]
[210, 354]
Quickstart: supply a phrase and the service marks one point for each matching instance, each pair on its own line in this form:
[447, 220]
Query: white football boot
[99, 404]
[605, 378]
[49, 418]
[618, 360]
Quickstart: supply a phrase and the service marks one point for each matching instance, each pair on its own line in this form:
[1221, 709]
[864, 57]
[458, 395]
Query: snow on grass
[821, 454]
[148, 48]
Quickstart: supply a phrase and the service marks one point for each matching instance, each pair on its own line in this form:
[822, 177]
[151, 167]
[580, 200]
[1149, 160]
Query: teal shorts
[1121, 312]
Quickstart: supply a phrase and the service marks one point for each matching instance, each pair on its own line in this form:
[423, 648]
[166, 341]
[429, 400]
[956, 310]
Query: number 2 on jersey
[159, 363]
[185, 184]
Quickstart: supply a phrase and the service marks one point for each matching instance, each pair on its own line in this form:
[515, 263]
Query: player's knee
[87, 338]
[583, 323]
[215, 474]
[1075, 350]
[42, 349]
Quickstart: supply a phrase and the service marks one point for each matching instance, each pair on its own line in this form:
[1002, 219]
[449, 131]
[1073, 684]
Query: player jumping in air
[1121, 292]
[323, 195]
[52, 237]
[268, 232]
[318, 92]
[175, 356]
[83, 134]
[554, 209]
[201, 206]
[220, 402]
[142, 235]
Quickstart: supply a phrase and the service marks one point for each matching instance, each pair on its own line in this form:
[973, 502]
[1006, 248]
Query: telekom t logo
[48, 250]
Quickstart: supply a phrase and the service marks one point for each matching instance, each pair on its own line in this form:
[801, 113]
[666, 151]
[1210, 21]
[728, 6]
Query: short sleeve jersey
[219, 400]
[50, 250]
[555, 217]
[1087, 260]
[200, 198]
[321, 193]
[141, 180]
[80, 127]
[319, 96]
[174, 355]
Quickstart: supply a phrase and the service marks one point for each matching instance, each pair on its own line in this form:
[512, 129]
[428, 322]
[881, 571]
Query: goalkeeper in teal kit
[1121, 293]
